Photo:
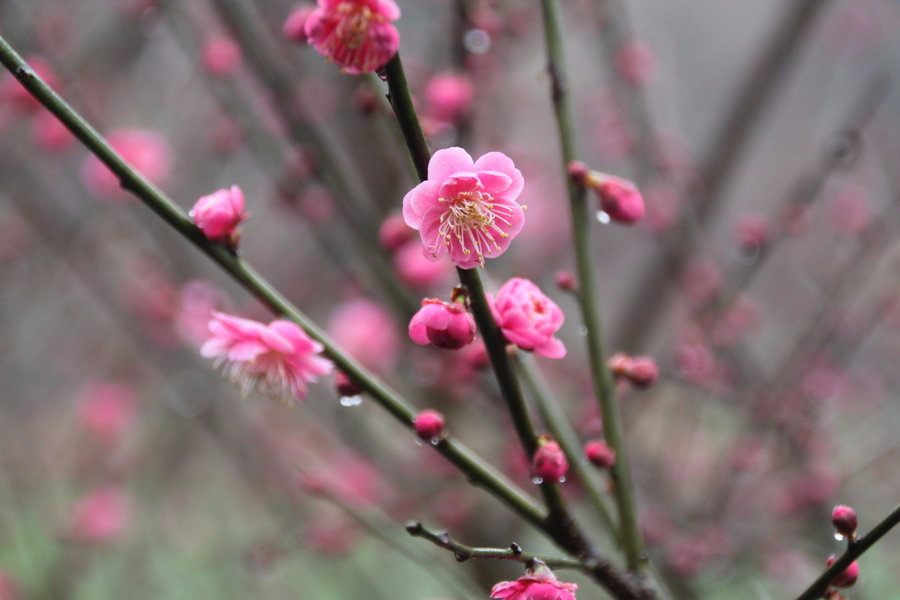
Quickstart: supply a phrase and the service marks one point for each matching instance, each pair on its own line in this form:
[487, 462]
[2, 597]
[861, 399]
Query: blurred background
[764, 282]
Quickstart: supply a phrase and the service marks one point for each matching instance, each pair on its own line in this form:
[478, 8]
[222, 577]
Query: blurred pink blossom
[466, 209]
[145, 150]
[367, 332]
[107, 410]
[635, 62]
[448, 96]
[528, 318]
[294, 27]
[101, 516]
[354, 34]
[416, 271]
[277, 359]
[220, 55]
[15, 94]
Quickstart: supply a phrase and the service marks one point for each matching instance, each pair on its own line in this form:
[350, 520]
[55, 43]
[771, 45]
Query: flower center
[354, 24]
[472, 218]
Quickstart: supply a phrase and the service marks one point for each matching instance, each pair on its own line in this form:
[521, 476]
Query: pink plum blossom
[218, 214]
[294, 27]
[619, 198]
[277, 359]
[367, 331]
[466, 208]
[417, 271]
[220, 56]
[106, 410]
[146, 151]
[354, 34]
[540, 584]
[449, 96]
[444, 324]
[528, 318]
[101, 516]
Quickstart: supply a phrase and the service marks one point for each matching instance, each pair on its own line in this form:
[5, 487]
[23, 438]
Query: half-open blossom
[528, 318]
[444, 324]
[218, 214]
[539, 584]
[357, 35]
[277, 359]
[466, 208]
[619, 198]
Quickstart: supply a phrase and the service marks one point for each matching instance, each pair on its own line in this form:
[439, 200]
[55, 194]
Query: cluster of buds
[619, 199]
[845, 524]
[639, 371]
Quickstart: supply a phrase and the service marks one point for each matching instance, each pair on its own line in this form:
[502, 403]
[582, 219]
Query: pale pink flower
[218, 214]
[444, 324]
[146, 151]
[540, 584]
[220, 56]
[101, 516]
[107, 410]
[466, 209]
[417, 271]
[366, 331]
[528, 318]
[354, 34]
[449, 96]
[196, 302]
[277, 359]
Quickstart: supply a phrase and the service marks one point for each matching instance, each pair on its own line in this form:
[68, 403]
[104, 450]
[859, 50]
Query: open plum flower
[537, 584]
[466, 208]
[277, 359]
[357, 35]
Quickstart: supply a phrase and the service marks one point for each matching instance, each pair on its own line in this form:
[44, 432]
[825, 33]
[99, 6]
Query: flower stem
[473, 466]
[854, 551]
[581, 219]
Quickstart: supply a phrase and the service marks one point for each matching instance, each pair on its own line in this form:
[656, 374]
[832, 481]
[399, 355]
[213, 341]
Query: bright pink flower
[218, 214]
[220, 55]
[367, 332]
[355, 34]
[277, 359]
[101, 516]
[540, 584]
[444, 324]
[449, 96]
[294, 27]
[528, 318]
[429, 424]
[466, 209]
[146, 151]
[549, 462]
[107, 410]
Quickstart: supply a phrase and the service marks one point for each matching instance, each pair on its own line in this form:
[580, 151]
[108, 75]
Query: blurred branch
[854, 551]
[462, 553]
[589, 302]
[478, 471]
[732, 136]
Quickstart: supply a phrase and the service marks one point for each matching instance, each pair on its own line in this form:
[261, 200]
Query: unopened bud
[549, 463]
[578, 171]
[429, 424]
[844, 520]
[345, 386]
[565, 281]
[600, 454]
[847, 577]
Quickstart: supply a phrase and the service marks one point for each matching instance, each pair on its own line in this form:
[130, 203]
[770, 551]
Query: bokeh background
[764, 281]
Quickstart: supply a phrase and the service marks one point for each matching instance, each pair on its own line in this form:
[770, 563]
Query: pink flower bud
[643, 372]
[600, 454]
[751, 232]
[220, 56]
[847, 577]
[619, 363]
[565, 281]
[345, 386]
[429, 424]
[619, 198]
[444, 324]
[218, 214]
[294, 27]
[578, 171]
[844, 520]
[549, 462]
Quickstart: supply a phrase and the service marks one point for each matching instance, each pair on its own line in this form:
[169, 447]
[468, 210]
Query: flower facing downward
[537, 584]
[528, 318]
[218, 214]
[466, 208]
[355, 34]
[277, 359]
[444, 324]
